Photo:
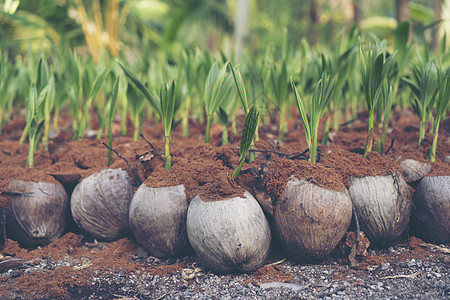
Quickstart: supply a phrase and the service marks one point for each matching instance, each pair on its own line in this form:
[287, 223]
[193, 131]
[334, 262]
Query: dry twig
[275, 263]
[118, 154]
[442, 249]
[402, 276]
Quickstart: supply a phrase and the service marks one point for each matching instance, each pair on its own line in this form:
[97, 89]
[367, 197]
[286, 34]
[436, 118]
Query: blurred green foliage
[165, 27]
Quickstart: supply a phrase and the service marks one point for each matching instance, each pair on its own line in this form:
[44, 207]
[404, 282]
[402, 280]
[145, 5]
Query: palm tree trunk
[314, 15]
[356, 11]
[241, 26]
[437, 16]
[403, 11]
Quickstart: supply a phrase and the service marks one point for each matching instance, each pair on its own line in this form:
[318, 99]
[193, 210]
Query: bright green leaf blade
[98, 83]
[142, 88]
[248, 133]
[302, 111]
[113, 100]
[401, 39]
[240, 88]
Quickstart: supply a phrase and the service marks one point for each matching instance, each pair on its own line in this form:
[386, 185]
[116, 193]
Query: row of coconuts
[230, 235]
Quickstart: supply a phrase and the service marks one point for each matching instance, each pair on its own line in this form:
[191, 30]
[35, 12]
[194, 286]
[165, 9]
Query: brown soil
[205, 170]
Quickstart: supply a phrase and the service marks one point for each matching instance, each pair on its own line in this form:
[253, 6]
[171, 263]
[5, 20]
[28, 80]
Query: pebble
[411, 263]
[309, 281]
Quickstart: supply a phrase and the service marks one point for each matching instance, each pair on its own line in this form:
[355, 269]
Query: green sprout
[425, 89]
[95, 89]
[386, 105]
[8, 87]
[321, 98]
[218, 87]
[374, 70]
[167, 101]
[111, 108]
[279, 82]
[242, 93]
[441, 110]
[34, 126]
[165, 104]
[248, 135]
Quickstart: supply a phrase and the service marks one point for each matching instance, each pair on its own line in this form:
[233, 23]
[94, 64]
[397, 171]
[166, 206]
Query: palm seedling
[279, 84]
[441, 110]
[386, 108]
[136, 108]
[218, 87]
[165, 105]
[321, 98]
[34, 126]
[374, 70]
[46, 79]
[8, 88]
[111, 108]
[40, 76]
[94, 90]
[191, 63]
[248, 135]
[242, 93]
[425, 89]
[167, 102]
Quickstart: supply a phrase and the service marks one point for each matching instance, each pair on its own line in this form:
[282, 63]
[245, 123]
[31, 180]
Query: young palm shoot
[374, 70]
[387, 100]
[165, 105]
[111, 110]
[49, 104]
[35, 126]
[425, 90]
[136, 107]
[248, 135]
[167, 101]
[217, 88]
[95, 89]
[8, 87]
[40, 80]
[321, 98]
[441, 110]
[280, 82]
[242, 93]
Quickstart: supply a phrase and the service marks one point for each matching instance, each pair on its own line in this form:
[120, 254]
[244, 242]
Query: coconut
[158, 220]
[100, 204]
[36, 212]
[432, 209]
[414, 170]
[383, 205]
[229, 235]
[311, 220]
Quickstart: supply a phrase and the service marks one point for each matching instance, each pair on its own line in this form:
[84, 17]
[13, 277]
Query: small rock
[447, 159]
[411, 263]
[385, 266]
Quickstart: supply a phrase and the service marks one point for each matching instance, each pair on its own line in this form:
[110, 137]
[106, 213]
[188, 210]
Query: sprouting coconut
[432, 209]
[311, 220]
[229, 235]
[100, 204]
[383, 205]
[36, 213]
[158, 219]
